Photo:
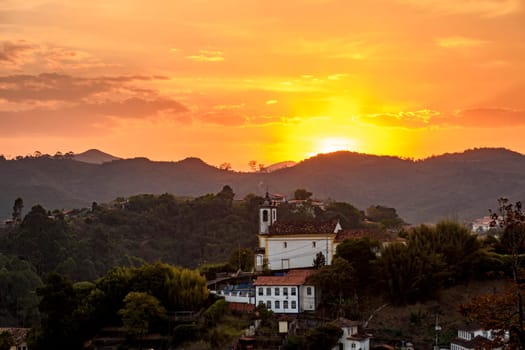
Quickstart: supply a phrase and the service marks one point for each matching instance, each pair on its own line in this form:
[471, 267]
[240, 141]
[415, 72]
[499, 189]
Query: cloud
[459, 41]
[14, 52]
[489, 117]
[52, 103]
[207, 56]
[84, 118]
[405, 119]
[62, 87]
[468, 118]
[483, 7]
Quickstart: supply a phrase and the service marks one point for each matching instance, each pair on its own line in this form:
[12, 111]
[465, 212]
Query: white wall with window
[279, 299]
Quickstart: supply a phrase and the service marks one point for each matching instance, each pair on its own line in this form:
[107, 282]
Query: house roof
[302, 227]
[373, 234]
[19, 334]
[292, 278]
[477, 342]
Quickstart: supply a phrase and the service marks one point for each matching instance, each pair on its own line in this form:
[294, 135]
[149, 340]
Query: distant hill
[460, 186]
[279, 166]
[94, 156]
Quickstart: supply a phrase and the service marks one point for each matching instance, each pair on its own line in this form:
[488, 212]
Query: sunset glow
[236, 80]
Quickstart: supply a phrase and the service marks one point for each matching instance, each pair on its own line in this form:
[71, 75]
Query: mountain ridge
[457, 185]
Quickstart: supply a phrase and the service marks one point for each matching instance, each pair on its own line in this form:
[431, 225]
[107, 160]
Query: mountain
[94, 156]
[278, 166]
[459, 186]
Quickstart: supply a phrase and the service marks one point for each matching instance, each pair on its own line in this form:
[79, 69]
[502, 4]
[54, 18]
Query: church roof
[303, 227]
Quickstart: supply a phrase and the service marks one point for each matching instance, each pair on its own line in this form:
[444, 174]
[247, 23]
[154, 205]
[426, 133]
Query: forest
[68, 274]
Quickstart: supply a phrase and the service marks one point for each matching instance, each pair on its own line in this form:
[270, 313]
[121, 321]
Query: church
[286, 245]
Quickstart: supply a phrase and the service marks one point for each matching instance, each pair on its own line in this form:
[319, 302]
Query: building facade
[287, 294]
[284, 246]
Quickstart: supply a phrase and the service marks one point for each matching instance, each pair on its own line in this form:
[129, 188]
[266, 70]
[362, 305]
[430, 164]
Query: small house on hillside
[351, 339]
[288, 294]
[474, 337]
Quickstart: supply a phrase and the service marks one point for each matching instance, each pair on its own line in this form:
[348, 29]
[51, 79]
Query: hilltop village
[310, 275]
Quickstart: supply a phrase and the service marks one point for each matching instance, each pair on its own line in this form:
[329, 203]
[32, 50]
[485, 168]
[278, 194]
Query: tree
[17, 209]
[253, 165]
[323, 338]
[140, 311]
[506, 307]
[384, 215]
[6, 340]
[319, 260]
[302, 194]
[337, 281]
[225, 166]
[241, 258]
[360, 254]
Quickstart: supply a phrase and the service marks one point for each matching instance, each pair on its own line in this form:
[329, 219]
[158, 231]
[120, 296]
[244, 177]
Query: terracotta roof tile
[292, 278]
[302, 227]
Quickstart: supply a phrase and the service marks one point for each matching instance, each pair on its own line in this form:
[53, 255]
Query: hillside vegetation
[460, 186]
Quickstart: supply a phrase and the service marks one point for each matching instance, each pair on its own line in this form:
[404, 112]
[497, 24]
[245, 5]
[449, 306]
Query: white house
[287, 294]
[284, 245]
[476, 338]
[351, 338]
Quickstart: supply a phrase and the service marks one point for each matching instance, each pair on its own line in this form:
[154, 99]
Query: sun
[333, 144]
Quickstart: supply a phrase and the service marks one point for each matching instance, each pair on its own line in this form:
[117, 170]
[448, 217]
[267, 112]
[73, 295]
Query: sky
[232, 81]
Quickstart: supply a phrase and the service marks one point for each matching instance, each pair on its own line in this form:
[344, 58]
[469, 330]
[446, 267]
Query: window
[294, 304]
[260, 290]
[308, 290]
[285, 304]
[276, 291]
[277, 304]
[261, 302]
[285, 291]
[353, 345]
[265, 215]
[285, 244]
[293, 291]
[268, 291]
[313, 244]
[268, 304]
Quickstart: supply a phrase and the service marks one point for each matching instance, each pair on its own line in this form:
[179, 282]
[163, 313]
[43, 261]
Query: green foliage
[384, 215]
[360, 254]
[18, 281]
[242, 258]
[6, 340]
[433, 258]
[216, 312]
[323, 338]
[348, 215]
[319, 261]
[294, 342]
[302, 194]
[140, 311]
[337, 281]
[186, 332]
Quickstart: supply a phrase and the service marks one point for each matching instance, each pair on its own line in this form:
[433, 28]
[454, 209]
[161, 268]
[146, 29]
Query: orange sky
[236, 80]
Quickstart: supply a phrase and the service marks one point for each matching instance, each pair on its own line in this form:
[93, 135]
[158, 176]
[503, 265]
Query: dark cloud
[61, 87]
[86, 118]
[11, 51]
